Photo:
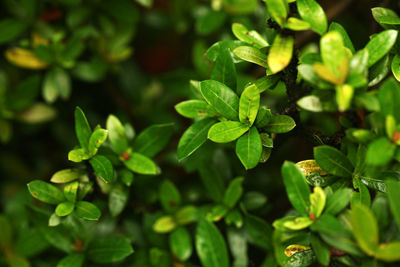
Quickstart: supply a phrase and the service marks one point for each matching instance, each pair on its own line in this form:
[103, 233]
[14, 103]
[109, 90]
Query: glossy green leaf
[266, 82]
[389, 98]
[251, 54]
[385, 16]
[45, 192]
[311, 12]
[380, 45]
[66, 175]
[87, 211]
[248, 105]
[180, 243]
[82, 128]
[210, 245]
[393, 194]
[194, 137]
[302, 258]
[221, 98]
[226, 131]
[280, 53]
[64, 208]
[249, 36]
[233, 192]
[139, 163]
[264, 116]
[194, 108]
[296, 187]
[278, 9]
[280, 124]
[224, 70]
[102, 167]
[116, 134]
[117, 199]
[338, 201]
[109, 249]
[170, 197]
[380, 152]
[96, 139]
[365, 228]
[249, 148]
[396, 67]
[72, 260]
[78, 155]
[153, 139]
[333, 161]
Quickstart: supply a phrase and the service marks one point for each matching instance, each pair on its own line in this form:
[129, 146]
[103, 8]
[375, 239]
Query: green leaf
[362, 196]
[194, 108]
[82, 128]
[313, 13]
[212, 182]
[310, 103]
[321, 250]
[66, 175]
[153, 139]
[24, 94]
[5, 232]
[393, 194]
[365, 228]
[96, 139]
[141, 164]
[344, 95]
[56, 82]
[296, 187]
[187, 214]
[170, 197]
[296, 24]
[64, 208]
[251, 54]
[45, 192]
[72, 260]
[224, 70]
[317, 201]
[280, 124]
[333, 161]
[102, 167]
[298, 223]
[109, 249]
[87, 211]
[210, 21]
[225, 45]
[253, 200]
[385, 16]
[389, 98]
[251, 37]
[380, 45]
[345, 37]
[380, 152]
[210, 245]
[193, 138]
[267, 82]
[226, 131]
[117, 199]
[338, 201]
[259, 231]
[249, 148]
[248, 105]
[221, 98]
[302, 258]
[396, 67]
[233, 192]
[180, 243]
[71, 191]
[164, 224]
[116, 134]
[280, 53]
[10, 29]
[78, 155]
[278, 9]
[389, 252]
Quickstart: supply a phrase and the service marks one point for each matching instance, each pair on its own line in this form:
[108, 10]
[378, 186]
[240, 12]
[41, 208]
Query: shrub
[276, 94]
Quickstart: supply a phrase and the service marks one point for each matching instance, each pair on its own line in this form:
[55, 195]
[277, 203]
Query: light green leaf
[153, 139]
[210, 245]
[333, 161]
[251, 37]
[389, 98]
[280, 53]
[298, 223]
[388, 252]
[71, 191]
[321, 250]
[102, 167]
[249, 148]
[296, 24]
[221, 98]
[267, 82]
[313, 13]
[96, 139]
[78, 155]
[248, 105]
[224, 69]
[251, 54]
[345, 37]
[396, 67]
[109, 249]
[194, 108]
[380, 45]
[193, 138]
[296, 187]
[310, 103]
[116, 134]
[365, 228]
[344, 95]
[385, 16]
[380, 152]
[280, 124]
[226, 131]
[164, 224]
[82, 128]
[278, 9]
[66, 175]
[72, 260]
[117, 199]
[64, 208]
[139, 163]
[45, 192]
[87, 211]
[317, 201]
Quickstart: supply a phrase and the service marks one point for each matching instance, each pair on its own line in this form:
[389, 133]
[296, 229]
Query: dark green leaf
[87, 210]
[233, 192]
[153, 139]
[338, 201]
[109, 249]
[210, 21]
[393, 194]
[224, 70]
[118, 198]
[72, 260]
[333, 161]
[102, 167]
[259, 231]
[170, 197]
[82, 128]
[10, 29]
[180, 243]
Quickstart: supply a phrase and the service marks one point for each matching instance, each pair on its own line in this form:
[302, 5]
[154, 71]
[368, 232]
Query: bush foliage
[195, 133]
